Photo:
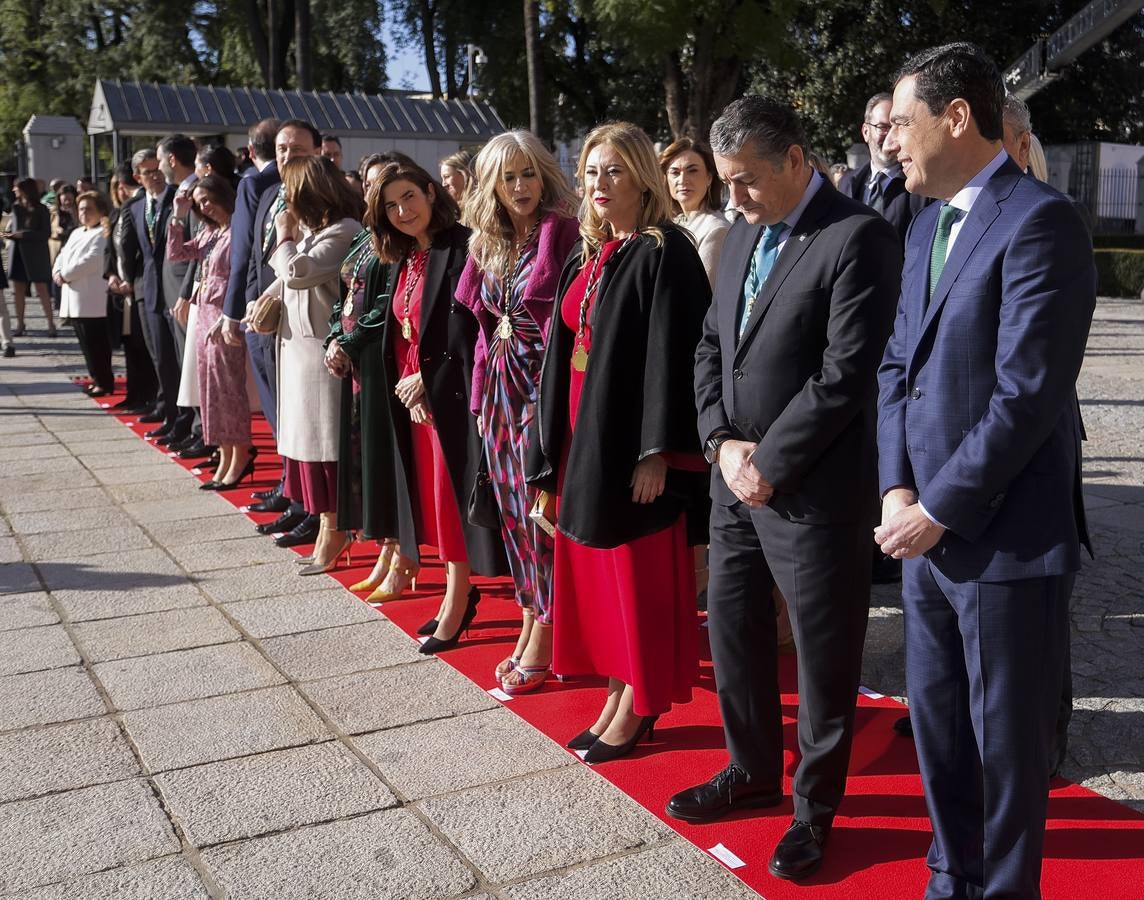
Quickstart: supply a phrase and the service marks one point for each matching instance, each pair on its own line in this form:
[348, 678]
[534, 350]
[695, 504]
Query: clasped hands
[410, 390]
[337, 362]
[740, 475]
[906, 531]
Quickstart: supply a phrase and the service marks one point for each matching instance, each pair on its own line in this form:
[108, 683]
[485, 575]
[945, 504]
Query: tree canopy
[668, 65]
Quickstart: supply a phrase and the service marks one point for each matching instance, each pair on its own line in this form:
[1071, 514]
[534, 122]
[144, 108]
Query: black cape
[637, 398]
[448, 337]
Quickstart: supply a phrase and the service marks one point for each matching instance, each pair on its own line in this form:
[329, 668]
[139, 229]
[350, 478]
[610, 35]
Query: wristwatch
[711, 448]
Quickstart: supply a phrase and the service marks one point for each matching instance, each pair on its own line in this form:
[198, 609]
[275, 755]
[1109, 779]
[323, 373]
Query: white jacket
[80, 262]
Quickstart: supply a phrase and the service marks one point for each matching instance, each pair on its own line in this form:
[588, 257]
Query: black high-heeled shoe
[247, 472]
[601, 752]
[583, 740]
[431, 626]
[436, 645]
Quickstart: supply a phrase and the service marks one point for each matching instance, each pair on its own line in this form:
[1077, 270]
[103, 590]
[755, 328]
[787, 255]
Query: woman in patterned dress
[519, 208]
[221, 366]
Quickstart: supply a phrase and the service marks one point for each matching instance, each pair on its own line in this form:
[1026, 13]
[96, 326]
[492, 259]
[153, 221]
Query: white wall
[46, 162]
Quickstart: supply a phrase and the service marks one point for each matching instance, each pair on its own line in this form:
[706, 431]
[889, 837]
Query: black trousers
[168, 367]
[142, 383]
[823, 572]
[95, 344]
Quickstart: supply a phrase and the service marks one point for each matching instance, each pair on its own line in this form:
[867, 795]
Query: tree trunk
[303, 52]
[537, 121]
[257, 25]
[428, 33]
[673, 94]
[273, 44]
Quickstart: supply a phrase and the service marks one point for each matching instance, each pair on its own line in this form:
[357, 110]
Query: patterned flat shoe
[528, 679]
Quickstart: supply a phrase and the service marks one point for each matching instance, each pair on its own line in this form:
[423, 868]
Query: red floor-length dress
[438, 518]
[626, 612]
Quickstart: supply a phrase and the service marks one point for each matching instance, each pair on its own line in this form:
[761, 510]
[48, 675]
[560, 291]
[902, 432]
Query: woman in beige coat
[314, 232]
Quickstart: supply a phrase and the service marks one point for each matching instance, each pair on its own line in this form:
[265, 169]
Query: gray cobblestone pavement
[171, 727]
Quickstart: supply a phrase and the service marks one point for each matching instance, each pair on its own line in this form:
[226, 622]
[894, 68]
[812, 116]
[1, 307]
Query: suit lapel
[800, 239]
[435, 268]
[735, 261]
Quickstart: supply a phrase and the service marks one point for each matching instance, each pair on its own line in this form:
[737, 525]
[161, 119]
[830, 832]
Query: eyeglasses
[881, 128]
[148, 173]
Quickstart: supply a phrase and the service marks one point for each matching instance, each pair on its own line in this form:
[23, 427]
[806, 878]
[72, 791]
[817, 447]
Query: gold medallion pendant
[504, 329]
[406, 329]
[579, 358]
[348, 306]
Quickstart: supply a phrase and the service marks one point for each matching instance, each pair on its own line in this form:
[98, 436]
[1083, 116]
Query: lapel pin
[801, 238]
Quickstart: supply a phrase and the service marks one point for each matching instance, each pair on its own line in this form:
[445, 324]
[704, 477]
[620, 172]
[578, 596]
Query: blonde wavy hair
[492, 239]
[638, 153]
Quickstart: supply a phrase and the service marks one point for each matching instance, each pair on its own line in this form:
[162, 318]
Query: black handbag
[483, 509]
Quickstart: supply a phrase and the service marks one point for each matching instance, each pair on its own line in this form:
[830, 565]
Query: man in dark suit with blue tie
[785, 385]
[979, 458]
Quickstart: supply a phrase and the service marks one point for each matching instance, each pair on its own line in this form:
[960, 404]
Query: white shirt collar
[967, 196]
[816, 181]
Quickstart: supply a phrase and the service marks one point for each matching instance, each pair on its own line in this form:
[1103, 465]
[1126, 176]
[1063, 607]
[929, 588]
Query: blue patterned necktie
[763, 260]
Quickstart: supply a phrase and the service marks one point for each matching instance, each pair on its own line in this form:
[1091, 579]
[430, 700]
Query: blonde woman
[697, 198]
[457, 175]
[617, 443]
[520, 210]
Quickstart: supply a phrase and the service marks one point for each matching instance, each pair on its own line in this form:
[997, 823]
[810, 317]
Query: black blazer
[637, 397]
[154, 254]
[900, 205]
[448, 338]
[802, 381]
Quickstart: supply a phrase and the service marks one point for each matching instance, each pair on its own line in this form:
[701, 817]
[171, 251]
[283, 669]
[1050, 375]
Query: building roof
[135, 108]
[53, 125]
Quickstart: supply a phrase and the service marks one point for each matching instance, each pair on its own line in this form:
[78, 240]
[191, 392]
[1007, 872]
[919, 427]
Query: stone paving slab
[383, 856]
[94, 519]
[187, 734]
[34, 649]
[126, 458]
[193, 531]
[253, 582]
[16, 434]
[669, 871]
[200, 505]
[70, 545]
[178, 629]
[146, 568]
[45, 501]
[496, 827]
[47, 481]
[339, 651]
[323, 608]
[62, 757]
[26, 611]
[18, 578]
[176, 489]
[477, 754]
[160, 470]
[249, 552]
[121, 597]
[9, 550]
[369, 701]
[62, 468]
[20, 452]
[243, 798]
[41, 698]
[80, 832]
[169, 878]
[146, 681]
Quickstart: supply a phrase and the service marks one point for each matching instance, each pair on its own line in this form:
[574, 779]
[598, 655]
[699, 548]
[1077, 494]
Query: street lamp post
[475, 55]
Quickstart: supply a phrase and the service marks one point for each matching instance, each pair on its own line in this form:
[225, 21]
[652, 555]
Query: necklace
[364, 250]
[580, 351]
[412, 277]
[509, 275]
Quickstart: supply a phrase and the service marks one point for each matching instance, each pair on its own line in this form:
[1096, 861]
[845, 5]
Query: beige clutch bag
[267, 314]
[543, 513]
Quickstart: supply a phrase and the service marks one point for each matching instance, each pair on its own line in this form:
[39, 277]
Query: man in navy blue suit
[979, 458]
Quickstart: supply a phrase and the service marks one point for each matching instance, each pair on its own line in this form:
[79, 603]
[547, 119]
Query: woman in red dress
[428, 346]
[620, 448]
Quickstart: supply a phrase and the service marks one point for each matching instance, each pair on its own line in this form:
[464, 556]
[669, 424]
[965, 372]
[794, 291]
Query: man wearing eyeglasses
[880, 183]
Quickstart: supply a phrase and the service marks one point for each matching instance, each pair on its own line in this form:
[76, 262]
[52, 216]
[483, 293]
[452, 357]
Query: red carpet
[1093, 848]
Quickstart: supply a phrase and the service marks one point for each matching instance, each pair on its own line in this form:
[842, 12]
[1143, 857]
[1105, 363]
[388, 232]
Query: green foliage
[1120, 273]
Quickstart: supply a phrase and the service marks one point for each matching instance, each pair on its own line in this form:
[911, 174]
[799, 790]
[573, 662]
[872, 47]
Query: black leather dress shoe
[799, 853]
[728, 791]
[904, 727]
[187, 441]
[150, 418]
[171, 438]
[161, 432]
[196, 450]
[305, 532]
[274, 503]
[288, 521]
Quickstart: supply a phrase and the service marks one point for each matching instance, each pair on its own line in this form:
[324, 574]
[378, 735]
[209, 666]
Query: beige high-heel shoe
[384, 564]
[317, 568]
[399, 569]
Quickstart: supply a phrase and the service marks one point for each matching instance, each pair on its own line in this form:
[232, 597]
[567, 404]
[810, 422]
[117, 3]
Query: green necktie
[149, 218]
[945, 220]
[269, 234]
